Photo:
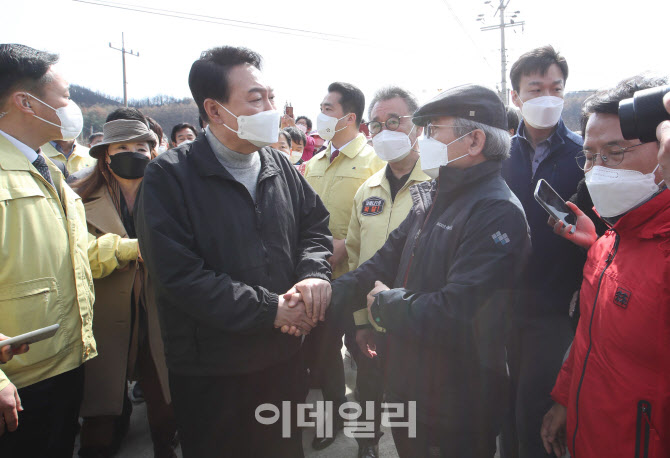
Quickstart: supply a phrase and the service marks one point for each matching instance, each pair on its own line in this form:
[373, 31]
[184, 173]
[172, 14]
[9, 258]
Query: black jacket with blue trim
[453, 266]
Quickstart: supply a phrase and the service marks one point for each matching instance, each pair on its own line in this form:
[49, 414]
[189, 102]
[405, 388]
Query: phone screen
[553, 203]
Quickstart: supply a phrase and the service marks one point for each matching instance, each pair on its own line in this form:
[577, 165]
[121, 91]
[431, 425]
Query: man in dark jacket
[543, 148]
[226, 227]
[452, 266]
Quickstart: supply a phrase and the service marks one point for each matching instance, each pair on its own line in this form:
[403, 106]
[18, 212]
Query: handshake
[302, 307]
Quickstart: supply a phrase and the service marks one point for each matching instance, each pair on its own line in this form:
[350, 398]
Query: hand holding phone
[31, 337]
[554, 204]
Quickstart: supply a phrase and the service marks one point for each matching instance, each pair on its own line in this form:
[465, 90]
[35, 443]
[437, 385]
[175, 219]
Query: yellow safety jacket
[336, 183]
[373, 217]
[45, 277]
[78, 159]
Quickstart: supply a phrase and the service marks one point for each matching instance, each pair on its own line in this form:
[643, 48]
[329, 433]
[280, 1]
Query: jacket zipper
[642, 425]
[609, 261]
[416, 237]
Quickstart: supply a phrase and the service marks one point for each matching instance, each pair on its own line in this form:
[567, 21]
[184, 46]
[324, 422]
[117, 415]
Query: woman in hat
[125, 322]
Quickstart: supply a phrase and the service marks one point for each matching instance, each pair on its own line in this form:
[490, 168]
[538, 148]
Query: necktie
[42, 167]
[333, 155]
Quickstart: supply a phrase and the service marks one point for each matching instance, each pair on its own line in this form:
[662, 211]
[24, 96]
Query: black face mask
[129, 165]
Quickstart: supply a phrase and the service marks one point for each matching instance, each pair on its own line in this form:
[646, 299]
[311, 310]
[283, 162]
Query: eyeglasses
[431, 129]
[391, 123]
[611, 156]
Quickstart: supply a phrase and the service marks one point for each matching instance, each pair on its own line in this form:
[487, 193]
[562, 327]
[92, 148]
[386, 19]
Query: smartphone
[554, 205]
[288, 110]
[32, 336]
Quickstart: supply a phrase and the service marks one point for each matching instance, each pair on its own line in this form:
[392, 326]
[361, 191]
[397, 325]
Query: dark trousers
[436, 442]
[105, 432]
[49, 421]
[535, 352]
[323, 356]
[216, 415]
[370, 385]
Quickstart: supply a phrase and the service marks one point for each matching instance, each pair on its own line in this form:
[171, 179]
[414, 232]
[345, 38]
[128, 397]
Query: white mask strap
[654, 171]
[231, 114]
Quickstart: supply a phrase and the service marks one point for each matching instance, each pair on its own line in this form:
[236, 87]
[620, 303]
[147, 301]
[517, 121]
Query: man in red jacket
[613, 392]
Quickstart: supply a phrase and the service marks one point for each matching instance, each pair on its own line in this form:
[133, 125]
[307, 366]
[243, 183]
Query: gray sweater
[243, 167]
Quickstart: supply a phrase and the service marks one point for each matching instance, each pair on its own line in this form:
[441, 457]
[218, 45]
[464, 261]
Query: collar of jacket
[352, 150]
[207, 164]
[559, 137]
[649, 219]
[101, 213]
[453, 180]
[78, 150]
[12, 158]
[416, 176]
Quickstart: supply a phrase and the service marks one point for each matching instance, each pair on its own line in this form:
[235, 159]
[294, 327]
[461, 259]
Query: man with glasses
[450, 267]
[612, 392]
[380, 205]
[336, 174]
[543, 148]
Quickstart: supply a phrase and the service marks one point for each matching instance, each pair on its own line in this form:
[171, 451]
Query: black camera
[640, 115]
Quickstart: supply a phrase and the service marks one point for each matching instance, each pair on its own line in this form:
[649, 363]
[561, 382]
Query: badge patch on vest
[622, 297]
[372, 206]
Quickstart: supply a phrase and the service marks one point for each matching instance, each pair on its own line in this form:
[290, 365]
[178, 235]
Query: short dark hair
[208, 78]
[607, 100]
[93, 136]
[156, 128]
[180, 126]
[537, 60]
[201, 122]
[391, 92]
[287, 136]
[307, 121]
[127, 113]
[351, 99]
[23, 67]
[513, 118]
[296, 134]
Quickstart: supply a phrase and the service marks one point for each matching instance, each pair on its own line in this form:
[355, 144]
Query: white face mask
[295, 156]
[325, 126]
[616, 191]
[71, 119]
[161, 149]
[302, 127]
[392, 145]
[260, 129]
[434, 154]
[542, 112]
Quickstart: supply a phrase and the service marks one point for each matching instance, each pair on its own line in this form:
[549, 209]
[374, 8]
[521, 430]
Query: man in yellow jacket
[45, 277]
[380, 205]
[73, 155]
[336, 174]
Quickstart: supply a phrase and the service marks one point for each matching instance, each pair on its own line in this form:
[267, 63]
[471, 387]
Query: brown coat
[117, 342]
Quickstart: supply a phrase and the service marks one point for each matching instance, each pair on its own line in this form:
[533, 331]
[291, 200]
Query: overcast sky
[423, 45]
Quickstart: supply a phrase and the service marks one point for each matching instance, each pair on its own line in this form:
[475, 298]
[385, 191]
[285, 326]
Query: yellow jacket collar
[12, 158]
[78, 150]
[416, 176]
[352, 149]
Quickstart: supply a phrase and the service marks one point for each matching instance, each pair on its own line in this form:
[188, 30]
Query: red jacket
[616, 381]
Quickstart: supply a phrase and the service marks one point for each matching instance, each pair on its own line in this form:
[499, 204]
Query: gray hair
[498, 141]
[391, 92]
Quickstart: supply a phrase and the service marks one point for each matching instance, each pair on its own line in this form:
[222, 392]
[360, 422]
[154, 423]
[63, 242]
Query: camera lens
[640, 115]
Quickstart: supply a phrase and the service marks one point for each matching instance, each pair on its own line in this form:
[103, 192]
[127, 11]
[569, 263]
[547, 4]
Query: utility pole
[123, 61]
[503, 51]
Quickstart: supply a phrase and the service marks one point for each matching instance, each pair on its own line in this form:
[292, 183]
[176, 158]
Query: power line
[458, 20]
[223, 21]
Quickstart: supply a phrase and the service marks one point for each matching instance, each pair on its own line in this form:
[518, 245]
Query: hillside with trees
[166, 110]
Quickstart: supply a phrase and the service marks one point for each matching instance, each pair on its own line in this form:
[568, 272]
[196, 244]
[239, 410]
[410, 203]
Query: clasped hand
[303, 306]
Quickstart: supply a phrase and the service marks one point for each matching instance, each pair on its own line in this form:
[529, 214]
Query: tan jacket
[337, 182]
[78, 160]
[44, 272]
[113, 260]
